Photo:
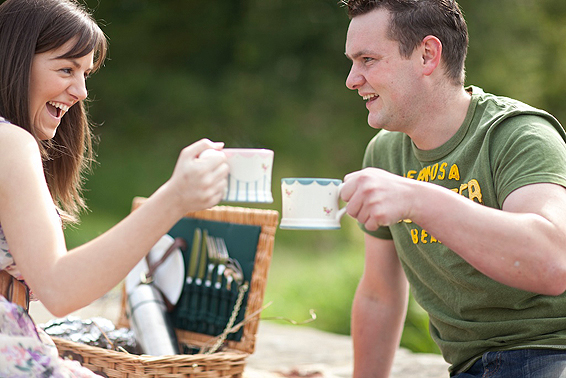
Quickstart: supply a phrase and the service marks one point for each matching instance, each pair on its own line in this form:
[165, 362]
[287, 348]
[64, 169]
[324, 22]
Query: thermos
[150, 322]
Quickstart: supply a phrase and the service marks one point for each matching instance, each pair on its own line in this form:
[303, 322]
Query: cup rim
[248, 151]
[310, 180]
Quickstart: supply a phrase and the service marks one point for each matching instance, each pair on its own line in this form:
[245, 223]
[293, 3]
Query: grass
[303, 277]
[322, 280]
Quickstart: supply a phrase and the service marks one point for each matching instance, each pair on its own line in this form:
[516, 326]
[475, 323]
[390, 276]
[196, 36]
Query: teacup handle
[342, 211]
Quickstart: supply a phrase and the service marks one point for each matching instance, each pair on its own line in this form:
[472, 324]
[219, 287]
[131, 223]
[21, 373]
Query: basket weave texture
[114, 364]
[228, 363]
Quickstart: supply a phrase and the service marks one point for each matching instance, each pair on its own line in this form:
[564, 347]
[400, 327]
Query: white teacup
[250, 175]
[311, 203]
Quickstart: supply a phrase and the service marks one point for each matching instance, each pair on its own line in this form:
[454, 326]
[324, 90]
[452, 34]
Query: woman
[47, 50]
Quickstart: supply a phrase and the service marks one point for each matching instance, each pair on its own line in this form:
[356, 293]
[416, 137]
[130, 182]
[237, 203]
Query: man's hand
[377, 198]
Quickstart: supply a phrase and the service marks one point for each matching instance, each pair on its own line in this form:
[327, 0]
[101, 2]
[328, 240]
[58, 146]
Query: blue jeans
[523, 363]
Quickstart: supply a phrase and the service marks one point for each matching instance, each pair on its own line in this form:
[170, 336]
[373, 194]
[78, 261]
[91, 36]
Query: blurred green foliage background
[270, 74]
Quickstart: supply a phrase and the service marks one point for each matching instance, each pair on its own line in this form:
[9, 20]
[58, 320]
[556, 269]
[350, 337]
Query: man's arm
[523, 245]
[378, 311]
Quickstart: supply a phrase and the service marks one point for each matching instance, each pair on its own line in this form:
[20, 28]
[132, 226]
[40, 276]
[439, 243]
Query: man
[463, 197]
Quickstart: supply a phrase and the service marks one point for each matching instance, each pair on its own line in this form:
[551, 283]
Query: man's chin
[374, 125]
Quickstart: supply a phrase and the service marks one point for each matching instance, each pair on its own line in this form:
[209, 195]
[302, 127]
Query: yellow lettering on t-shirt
[442, 171]
[454, 173]
[474, 190]
[424, 235]
[438, 172]
[415, 236]
[433, 171]
[424, 174]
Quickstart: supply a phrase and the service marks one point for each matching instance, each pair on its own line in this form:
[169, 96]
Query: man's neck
[443, 117]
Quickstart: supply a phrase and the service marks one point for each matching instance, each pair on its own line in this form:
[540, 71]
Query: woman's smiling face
[56, 84]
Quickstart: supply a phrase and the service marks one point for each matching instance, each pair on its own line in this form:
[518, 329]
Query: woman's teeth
[61, 108]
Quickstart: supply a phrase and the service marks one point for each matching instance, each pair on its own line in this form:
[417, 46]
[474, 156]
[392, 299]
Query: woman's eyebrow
[73, 61]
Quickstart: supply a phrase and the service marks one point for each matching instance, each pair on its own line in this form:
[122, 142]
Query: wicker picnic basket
[230, 361]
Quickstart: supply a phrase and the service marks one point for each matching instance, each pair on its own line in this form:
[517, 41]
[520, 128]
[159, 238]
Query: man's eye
[367, 59]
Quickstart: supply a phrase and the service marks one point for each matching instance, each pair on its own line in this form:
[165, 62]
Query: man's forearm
[516, 246]
[376, 333]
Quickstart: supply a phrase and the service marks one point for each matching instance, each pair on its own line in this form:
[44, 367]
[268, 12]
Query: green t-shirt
[502, 145]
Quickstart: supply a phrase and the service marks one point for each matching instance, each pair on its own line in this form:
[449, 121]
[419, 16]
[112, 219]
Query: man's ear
[431, 49]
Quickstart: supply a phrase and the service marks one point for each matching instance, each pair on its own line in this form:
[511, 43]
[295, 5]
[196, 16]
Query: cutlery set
[210, 288]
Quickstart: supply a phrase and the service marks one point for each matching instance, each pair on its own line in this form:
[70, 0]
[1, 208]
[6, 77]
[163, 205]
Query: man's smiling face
[385, 79]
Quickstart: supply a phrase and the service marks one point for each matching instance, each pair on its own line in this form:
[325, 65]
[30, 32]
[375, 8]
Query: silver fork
[221, 259]
[212, 258]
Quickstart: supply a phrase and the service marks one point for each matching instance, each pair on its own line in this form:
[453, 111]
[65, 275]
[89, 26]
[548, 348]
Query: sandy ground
[286, 350]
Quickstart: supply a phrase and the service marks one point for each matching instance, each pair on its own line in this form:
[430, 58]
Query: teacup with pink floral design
[311, 203]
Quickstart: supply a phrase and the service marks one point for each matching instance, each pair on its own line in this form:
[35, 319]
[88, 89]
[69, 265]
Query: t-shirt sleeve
[382, 232]
[525, 150]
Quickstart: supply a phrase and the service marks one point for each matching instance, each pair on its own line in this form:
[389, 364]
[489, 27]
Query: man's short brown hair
[412, 20]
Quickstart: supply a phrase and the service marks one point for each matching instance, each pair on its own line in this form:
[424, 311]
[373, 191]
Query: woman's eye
[67, 70]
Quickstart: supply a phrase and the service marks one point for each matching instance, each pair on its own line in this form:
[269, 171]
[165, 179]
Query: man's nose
[355, 79]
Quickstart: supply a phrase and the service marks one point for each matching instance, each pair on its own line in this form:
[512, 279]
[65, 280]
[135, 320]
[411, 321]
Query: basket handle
[177, 243]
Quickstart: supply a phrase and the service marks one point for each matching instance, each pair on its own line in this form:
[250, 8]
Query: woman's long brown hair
[29, 27]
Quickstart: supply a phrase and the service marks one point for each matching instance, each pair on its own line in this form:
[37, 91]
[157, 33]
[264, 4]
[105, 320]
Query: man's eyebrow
[359, 53]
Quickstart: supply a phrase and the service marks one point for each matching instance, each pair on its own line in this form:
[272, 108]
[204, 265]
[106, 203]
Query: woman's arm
[66, 281]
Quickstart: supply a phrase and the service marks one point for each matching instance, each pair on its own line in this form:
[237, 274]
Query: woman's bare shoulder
[13, 137]
[17, 147]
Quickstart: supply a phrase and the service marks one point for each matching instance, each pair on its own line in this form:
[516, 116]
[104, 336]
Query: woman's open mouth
[57, 109]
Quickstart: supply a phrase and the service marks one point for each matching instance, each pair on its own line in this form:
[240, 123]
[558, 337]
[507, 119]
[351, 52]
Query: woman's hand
[200, 177]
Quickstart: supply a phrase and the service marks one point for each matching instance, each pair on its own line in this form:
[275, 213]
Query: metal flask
[150, 322]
